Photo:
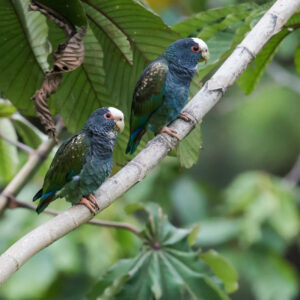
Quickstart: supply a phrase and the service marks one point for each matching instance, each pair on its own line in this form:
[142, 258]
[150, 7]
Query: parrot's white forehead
[201, 43]
[116, 113]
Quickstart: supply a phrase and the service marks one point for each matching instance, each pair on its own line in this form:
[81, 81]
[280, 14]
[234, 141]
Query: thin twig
[14, 203]
[17, 144]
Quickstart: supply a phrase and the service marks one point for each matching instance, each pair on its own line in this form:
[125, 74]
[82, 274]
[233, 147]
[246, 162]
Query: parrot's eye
[196, 49]
[108, 116]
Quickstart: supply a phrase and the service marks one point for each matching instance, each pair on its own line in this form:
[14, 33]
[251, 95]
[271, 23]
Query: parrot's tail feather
[38, 195]
[134, 140]
[44, 203]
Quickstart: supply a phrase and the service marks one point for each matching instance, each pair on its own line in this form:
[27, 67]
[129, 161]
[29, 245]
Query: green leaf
[255, 70]
[82, 91]
[188, 149]
[210, 17]
[216, 231]
[165, 268]
[8, 153]
[297, 58]
[133, 207]
[28, 133]
[269, 275]
[193, 234]
[262, 200]
[72, 10]
[223, 269]
[6, 109]
[23, 52]
[294, 20]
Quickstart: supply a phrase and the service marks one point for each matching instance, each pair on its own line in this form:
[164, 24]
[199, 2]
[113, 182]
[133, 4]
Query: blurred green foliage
[237, 192]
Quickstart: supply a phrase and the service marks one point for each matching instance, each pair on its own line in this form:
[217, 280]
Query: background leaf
[71, 9]
[165, 268]
[23, 35]
[223, 269]
[250, 77]
[8, 153]
[188, 149]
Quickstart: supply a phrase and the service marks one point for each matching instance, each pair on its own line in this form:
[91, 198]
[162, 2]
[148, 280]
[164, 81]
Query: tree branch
[17, 144]
[158, 148]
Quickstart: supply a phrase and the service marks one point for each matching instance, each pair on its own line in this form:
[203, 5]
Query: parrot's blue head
[187, 52]
[105, 119]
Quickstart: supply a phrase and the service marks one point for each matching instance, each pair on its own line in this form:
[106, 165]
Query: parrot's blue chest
[176, 95]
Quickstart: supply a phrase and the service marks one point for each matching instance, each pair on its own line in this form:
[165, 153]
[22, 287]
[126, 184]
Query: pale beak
[119, 124]
[205, 57]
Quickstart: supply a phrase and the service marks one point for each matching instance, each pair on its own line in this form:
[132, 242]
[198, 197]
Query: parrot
[83, 162]
[163, 90]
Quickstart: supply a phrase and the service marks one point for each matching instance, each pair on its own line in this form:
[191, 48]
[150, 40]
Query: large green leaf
[165, 268]
[82, 91]
[8, 153]
[23, 54]
[188, 149]
[255, 70]
[297, 58]
[222, 268]
[71, 9]
[29, 134]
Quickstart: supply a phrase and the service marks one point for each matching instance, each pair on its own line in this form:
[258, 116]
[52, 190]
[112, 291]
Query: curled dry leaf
[67, 57]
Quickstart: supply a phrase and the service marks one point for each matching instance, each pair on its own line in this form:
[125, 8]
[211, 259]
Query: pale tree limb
[158, 148]
[36, 158]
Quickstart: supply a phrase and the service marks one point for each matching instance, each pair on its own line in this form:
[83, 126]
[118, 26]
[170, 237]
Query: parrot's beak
[119, 124]
[204, 56]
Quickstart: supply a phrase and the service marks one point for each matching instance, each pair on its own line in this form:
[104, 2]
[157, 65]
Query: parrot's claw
[170, 131]
[91, 203]
[185, 117]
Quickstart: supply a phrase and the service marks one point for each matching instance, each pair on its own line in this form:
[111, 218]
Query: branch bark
[158, 148]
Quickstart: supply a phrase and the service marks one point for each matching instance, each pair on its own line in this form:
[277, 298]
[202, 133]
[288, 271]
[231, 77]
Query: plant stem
[14, 203]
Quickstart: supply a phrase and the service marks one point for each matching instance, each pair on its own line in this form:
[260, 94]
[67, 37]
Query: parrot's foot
[91, 203]
[185, 117]
[170, 131]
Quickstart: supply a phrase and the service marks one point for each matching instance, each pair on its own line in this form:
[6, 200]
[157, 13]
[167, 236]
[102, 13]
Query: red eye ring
[108, 116]
[196, 49]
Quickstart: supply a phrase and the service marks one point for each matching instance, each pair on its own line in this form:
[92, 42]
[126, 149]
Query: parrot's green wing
[148, 96]
[67, 162]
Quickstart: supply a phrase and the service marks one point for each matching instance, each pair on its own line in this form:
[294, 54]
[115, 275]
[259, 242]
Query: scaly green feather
[147, 98]
[67, 162]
